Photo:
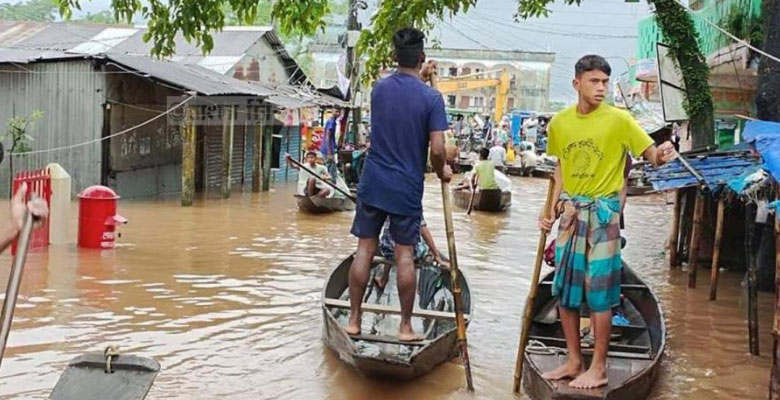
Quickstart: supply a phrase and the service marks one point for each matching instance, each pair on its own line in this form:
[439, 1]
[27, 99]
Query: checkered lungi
[587, 253]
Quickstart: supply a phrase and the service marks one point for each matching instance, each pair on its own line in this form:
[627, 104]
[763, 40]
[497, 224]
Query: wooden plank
[383, 309]
[625, 348]
[388, 339]
[625, 286]
[693, 250]
[716, 250]
[752, 303]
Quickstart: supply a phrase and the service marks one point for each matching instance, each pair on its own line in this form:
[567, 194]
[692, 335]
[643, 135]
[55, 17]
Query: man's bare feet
[406, 334]
[353, 327]
[591, 379]
[569, 370]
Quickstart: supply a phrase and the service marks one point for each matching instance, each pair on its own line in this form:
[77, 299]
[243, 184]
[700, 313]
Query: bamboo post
[716, 250]
[227, 149]
[188, 157]
[674, 235]
[268, 141]
[750, 233]
[257, 132]
[774, 377]
[529, 302]
[693, 249]
[686, 217]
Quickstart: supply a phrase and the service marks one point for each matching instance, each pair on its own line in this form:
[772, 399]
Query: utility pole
[353, 70]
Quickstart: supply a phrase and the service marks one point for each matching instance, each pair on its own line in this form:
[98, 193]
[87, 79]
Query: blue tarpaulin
[716, 170]
[765, 136]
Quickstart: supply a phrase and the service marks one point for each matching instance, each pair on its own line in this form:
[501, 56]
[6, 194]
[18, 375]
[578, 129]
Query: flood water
[226, 296]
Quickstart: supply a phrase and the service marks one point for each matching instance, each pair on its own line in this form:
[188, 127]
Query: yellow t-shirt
[592, 148]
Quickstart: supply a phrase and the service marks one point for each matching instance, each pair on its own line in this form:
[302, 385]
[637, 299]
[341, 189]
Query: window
[510, 103]
[465, 71]
[492, 102]
[453, 71]
[479, 101]
[451, 100]
[464, 101]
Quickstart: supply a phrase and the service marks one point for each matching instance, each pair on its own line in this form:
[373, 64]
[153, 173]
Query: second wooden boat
[634, 351]
[484, 200]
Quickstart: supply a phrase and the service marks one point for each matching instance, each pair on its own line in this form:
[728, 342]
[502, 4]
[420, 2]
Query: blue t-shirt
[404, 111]
[328, 144]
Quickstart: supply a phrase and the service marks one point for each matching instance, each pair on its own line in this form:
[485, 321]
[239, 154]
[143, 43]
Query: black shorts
[405, 229]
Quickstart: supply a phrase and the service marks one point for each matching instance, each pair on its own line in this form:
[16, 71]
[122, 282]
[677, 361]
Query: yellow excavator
[478, 81]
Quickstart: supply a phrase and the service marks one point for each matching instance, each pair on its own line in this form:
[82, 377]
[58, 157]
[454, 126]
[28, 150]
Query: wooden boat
[485, 200]
[634, 352]
[320, 205]
[377, 352]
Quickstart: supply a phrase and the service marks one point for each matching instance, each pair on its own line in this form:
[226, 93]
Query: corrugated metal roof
[22, 56]
[716, 170]
[189, 77]
[229, 42]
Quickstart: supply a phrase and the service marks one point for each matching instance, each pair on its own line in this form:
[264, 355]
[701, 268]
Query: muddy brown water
[225, 295]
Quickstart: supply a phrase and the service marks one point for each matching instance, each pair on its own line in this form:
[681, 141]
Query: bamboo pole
[693, 249]
[686, 217]
[752, 290]
[188, 157]
[455, 284]
[674, 235]
[529, 302]
[14, 282]
[257, 145]
[716, 250]
[774, 377]
[268, 131]
[227, 150]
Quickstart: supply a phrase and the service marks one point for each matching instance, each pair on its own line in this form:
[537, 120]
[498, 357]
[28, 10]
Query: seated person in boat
[426, 247]
[497, 154]
[591, 141]
[313, 186]
[406, 116]
[484, 173]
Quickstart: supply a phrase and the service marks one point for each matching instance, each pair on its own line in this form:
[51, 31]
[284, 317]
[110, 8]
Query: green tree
[32, 10]
[17, 131]
[196, 20]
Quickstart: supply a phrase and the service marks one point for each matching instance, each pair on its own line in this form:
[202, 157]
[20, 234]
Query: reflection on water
[225, 295]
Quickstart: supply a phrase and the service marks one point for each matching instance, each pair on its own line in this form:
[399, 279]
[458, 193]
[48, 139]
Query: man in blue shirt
[406, 115]
[328, 145]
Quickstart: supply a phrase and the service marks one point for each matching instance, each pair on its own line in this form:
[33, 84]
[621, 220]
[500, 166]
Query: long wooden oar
[529, 302]
[331, 184]
[473, 195]
[14, 280]
[455, 284]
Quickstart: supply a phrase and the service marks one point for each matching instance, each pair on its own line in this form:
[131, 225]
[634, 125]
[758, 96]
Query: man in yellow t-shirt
[591, 141]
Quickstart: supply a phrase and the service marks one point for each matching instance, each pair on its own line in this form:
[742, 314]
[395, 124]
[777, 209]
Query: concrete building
[733, 67]
[457, 55]
[103, 100]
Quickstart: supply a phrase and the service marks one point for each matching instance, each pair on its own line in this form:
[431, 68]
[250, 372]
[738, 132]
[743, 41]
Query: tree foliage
[33, 10]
